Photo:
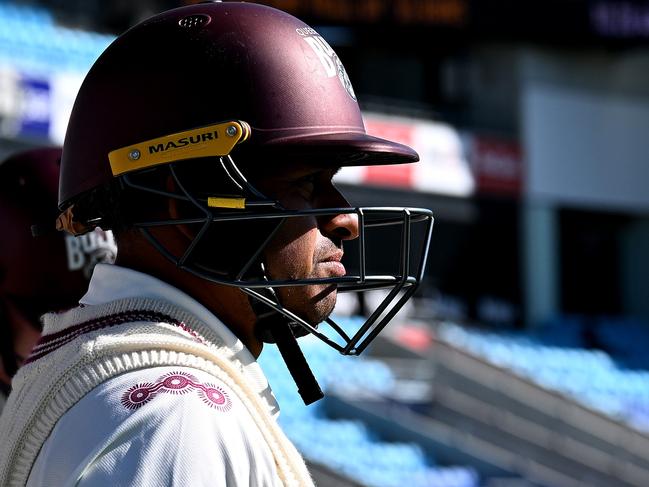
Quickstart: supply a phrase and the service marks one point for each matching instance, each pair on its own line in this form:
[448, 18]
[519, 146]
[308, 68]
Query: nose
[343, 226]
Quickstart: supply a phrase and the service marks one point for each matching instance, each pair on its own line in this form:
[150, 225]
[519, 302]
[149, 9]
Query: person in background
[37, 274]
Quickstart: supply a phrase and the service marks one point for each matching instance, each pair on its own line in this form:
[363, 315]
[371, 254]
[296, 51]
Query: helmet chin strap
[274, 327]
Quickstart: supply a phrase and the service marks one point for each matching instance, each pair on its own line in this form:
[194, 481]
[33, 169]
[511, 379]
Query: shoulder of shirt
[185, 418]
[202, 403]
[178, 406]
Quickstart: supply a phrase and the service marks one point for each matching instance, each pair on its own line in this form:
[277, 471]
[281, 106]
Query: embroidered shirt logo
[176, 383]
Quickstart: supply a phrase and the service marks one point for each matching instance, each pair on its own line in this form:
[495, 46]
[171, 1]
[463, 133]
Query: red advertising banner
[400, 175]
[496, 164]
[443, 167]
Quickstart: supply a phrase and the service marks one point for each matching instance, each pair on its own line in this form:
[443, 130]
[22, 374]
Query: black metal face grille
[400, 279]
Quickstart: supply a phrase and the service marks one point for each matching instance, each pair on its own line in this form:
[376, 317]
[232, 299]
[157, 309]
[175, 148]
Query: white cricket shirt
[160, 426]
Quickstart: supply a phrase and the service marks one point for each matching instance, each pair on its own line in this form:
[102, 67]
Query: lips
[332, 264]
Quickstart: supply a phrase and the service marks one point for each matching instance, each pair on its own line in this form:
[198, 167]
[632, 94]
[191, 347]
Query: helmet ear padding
[99, 207]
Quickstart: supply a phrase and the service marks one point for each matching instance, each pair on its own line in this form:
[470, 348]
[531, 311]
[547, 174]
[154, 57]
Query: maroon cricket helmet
[49, 272]
[211, 62]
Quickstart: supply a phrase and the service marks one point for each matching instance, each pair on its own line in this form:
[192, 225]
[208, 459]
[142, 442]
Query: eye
[308, 179]
[307, 184]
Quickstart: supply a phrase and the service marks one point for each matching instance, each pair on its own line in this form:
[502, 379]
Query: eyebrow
[309, 172]
[322, 169]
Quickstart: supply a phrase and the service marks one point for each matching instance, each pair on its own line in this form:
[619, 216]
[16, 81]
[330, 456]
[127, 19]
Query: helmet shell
[211, 62]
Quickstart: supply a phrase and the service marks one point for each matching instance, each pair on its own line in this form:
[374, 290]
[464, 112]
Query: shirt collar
[110, 282]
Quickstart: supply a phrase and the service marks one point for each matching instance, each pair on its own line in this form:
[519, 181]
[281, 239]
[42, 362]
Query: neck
[228, 303]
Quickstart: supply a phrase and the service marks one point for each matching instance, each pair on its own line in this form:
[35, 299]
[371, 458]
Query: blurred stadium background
[523, 360]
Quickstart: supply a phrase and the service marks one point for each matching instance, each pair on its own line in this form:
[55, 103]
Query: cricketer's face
[307, 247]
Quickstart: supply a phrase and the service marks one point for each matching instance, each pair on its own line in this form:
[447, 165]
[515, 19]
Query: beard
[312, 303]
[315, 302]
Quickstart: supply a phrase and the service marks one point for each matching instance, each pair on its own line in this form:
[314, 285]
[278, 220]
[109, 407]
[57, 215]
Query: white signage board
[586, 149]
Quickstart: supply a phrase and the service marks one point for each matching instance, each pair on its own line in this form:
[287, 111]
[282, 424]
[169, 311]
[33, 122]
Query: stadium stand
[625, 339]
[349, 446]
[30, 40]
[591, 377]
[562, 416]
[517, 408]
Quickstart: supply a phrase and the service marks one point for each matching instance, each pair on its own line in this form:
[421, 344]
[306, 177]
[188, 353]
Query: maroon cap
[212, 62]
[49, 272]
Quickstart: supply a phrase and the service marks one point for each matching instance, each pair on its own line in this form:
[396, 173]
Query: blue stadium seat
[591, 377]
[348, 445]
[30, 41]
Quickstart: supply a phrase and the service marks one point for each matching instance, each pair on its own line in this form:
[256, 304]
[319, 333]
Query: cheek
[290, 255]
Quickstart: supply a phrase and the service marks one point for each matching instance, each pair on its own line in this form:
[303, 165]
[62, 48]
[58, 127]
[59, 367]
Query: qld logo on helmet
[330, 61]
